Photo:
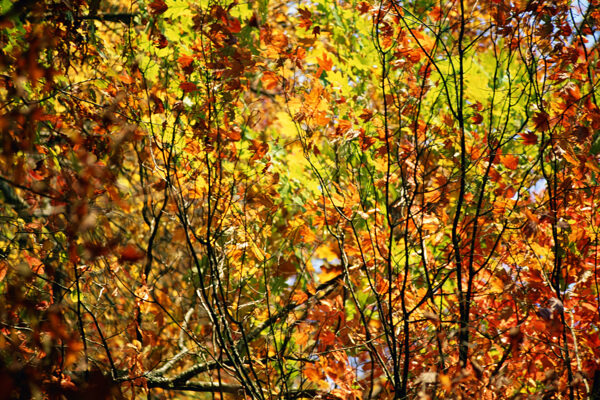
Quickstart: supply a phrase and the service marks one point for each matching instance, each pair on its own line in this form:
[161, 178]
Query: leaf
[299, 297]
[130, 253]
[188, 87]
[234, 25]
[287, 267]
[185, 60]
[35, 264]
[159, 107]
[510, 161]
[292, 181]
[3, 270]
[158, 7]
[366, 115]
[234, 134]
[325, 62]
[529, 138]
[541, 121]
[477, 119]
[329, 272]
[259, 149]
[269, 80]
[305, 18]
[581, 133]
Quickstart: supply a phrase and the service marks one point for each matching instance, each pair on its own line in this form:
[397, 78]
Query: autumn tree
[349, 199]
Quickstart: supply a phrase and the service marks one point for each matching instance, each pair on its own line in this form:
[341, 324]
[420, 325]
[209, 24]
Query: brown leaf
[159, 106]
[299, 297]
[130, 253]
[287, 268]
[581, 133]
[529, 138]
[477, 119]
[187, 63]
[188, 87]
[541, 121]
[158, 7]
[259, 149]
[366, 115]
[433, 317]
[234, 134]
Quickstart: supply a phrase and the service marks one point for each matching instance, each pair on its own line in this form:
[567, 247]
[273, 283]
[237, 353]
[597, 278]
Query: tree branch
[180, 380]
[125, 18]
[211, 387]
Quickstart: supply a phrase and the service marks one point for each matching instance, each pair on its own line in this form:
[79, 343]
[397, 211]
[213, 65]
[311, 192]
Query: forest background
[313, 199]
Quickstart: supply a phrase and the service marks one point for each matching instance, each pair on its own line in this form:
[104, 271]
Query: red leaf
[3, 270]
[510, 161]
[363, 7]
[581, 133]
[529, 138]
[188, 87]
[130, 253]
[234, 25]
[234, 134]
[541, 121]
[35, 264]
[161, 41]
[158, 7]
[159, 107]
[185, 61]
[477, 119]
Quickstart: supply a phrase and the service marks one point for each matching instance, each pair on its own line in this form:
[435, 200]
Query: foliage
[272, 199]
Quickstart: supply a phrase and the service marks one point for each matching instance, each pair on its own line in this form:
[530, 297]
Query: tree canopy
[299, 199]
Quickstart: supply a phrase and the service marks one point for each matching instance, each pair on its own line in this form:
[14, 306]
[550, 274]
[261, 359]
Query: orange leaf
[301, 338]
[35, 264]
[3, 270]
[185, 60]
[343, 126]
[259, 149]
[327, 338]
[325, 62]
[510, 161]
[313, 374]
[329, 272]
[299, 297]
[234, 25]
[269, 80]
[126, 79]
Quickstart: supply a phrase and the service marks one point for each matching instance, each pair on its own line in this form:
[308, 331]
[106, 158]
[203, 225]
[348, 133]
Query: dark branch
[125, 18]
[210, 387]
[179, 380]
